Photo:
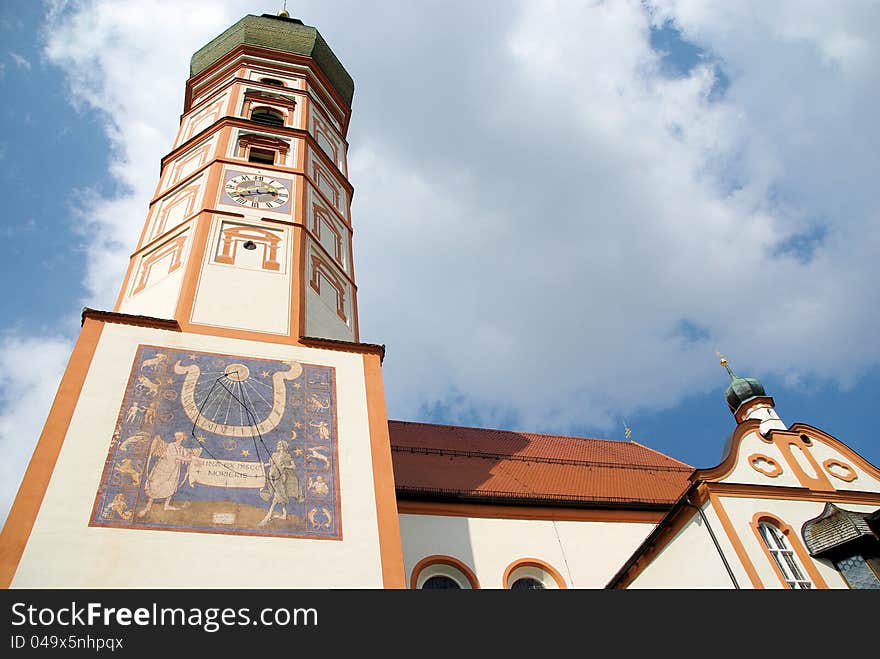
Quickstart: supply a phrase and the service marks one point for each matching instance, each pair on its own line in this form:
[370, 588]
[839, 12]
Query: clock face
[257, 191]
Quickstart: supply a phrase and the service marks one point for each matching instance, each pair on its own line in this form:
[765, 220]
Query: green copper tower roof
[740, 389]
[289, 35]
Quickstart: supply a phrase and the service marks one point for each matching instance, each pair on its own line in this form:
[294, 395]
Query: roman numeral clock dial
[257, 191]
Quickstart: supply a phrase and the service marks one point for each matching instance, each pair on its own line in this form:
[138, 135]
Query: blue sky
[611, 193]
[49, 152]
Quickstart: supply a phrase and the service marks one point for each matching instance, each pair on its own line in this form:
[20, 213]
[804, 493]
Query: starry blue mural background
[225, 447]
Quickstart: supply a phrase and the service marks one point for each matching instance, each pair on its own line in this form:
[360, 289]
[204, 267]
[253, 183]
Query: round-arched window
[532, 574]
[268, 117]
[442, 572]
[439, 582]
[527, 583]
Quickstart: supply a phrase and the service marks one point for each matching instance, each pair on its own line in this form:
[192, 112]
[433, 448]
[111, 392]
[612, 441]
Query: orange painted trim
[282, 61]
[443, 509]
[302, 276]
[834, 462]
[244, 335]
[775, 470]
[190, 179]
[174, 247]
[321, 270]
[198, 117]
[390, 545]
[735, 540]
[126, 280]
[751, 405]
[354, 290]
[233, 98]
[727, 465]
[533, 562]
[186, 195]
[201, 233]
[671, 524]
[320, 115]
[297, 291]
[837, 445]
[796, 545]
[341, 272]
[795, 493]
[788, 442]
[440, 559]
[23, 514]
[203, 154]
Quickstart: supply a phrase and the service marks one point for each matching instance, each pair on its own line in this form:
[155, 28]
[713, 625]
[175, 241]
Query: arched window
[527, 583]
[268, 117]
[532, 574]
[442, 572]
[777, 544]
[439, 582]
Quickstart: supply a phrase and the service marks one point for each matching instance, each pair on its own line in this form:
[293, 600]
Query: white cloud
[20, 62]
[540, 208]
[30, 369]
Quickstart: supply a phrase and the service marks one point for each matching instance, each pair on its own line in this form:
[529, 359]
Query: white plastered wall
[691, 559]
[188, 162]
[586, 554]
[160, 295]
[322, 318]
[325, 180]
[742, 510]
[332, 144]
[863, 482]
[238, 296]
[328, 216]
[744, 473]
[752, 444]
[64, 551]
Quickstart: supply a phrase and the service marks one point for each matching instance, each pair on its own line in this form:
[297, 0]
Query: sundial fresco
[218, 443]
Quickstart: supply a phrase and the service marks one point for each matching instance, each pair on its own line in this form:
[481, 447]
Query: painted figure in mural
[317, 405]
[149, 414]
[119, 507]
[164, 479]
[322, 429]
[154, 362]
[315, 453]
[131, 415]
[282, 484]
[318, 486]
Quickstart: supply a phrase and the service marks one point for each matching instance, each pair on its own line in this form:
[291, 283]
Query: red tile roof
[437, 461]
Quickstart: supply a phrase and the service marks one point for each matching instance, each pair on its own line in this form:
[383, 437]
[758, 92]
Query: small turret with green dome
[740, 390]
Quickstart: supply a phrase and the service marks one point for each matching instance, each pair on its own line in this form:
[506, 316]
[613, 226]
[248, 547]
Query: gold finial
[724, 363]
[284, 13]
[627, 431]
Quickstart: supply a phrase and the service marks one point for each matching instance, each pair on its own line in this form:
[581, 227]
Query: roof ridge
[648, 448]
[518, 432]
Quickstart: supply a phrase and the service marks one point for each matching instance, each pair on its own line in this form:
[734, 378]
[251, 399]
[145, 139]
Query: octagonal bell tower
[225, 413]
[249, 230]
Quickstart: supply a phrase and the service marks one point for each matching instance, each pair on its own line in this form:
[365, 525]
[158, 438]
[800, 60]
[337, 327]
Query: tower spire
[749, 390]
[733, 376]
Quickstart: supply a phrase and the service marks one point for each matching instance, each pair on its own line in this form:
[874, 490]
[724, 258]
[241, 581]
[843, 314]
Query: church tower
[223, 425]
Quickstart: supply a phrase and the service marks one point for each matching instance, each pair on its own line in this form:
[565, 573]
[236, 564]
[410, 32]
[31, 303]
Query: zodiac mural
[216, 443]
